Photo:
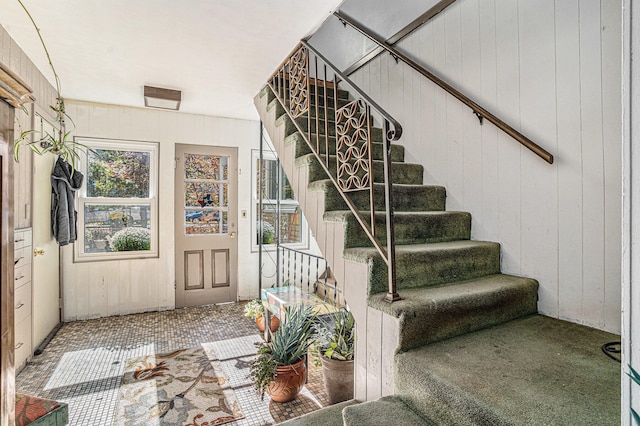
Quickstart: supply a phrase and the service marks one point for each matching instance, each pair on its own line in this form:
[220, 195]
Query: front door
[206, 210]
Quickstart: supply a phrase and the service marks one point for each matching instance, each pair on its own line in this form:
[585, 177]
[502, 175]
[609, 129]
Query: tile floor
[84, 362]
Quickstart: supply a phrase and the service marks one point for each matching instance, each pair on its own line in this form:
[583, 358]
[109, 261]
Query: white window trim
[304, 226]
[82, 199]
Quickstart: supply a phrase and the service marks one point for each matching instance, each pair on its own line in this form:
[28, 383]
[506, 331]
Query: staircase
[441, 354]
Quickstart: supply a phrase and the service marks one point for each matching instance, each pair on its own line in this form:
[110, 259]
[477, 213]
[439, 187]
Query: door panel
[205, 225]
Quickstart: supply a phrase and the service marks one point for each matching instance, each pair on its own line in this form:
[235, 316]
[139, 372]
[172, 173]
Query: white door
[45, 281]
[206, 211]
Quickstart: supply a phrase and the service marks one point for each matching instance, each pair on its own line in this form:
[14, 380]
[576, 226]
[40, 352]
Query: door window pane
[202, 194]
[208, 167]
[205, 222]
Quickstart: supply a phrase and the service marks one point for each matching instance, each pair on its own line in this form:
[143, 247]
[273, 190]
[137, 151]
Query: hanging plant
[59, 142]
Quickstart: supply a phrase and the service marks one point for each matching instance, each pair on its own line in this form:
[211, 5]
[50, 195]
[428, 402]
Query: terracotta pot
[290, 380]
[338, 379]
[275, 323]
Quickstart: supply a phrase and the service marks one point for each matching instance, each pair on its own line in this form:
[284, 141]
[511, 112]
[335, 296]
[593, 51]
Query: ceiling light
[156, 97]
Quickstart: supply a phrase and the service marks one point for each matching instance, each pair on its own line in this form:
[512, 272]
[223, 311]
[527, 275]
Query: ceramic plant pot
[338, 379]
[275, 323]
[290, 380]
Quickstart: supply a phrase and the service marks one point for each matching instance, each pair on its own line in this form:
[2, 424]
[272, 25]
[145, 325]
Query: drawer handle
[19, 345]
[19, 278]
[19, 241]
[19, 306]
[18, 260]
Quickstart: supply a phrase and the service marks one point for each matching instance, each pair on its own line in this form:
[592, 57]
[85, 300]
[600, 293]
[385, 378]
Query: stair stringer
[377, 333]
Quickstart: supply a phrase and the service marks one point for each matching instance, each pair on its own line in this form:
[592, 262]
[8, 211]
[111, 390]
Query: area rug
[184, 387]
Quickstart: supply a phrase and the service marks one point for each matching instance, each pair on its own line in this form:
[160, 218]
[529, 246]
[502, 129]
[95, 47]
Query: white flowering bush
[268, 233]
[131, 239]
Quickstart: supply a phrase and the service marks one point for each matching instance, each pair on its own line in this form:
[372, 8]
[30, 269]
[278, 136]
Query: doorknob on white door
[232, 235]
[38, 252]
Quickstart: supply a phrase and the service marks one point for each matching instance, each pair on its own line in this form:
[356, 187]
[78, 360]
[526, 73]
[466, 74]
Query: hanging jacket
[64, 183]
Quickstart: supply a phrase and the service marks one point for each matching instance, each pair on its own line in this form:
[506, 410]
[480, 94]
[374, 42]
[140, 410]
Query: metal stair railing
[307, 83]
[478, 110]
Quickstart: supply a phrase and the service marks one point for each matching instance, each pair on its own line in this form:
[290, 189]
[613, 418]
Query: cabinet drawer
[22, 342]
[22, 238]
[22, 276]
[22, 257]
[22, 302]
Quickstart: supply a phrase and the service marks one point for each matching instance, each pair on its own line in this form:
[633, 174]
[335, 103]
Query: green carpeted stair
[452, 292]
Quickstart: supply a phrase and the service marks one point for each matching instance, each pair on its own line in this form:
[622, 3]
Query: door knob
[38, 252]
[232, 235]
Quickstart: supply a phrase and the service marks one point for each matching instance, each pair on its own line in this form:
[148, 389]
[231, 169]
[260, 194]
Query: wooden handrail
[478, 110]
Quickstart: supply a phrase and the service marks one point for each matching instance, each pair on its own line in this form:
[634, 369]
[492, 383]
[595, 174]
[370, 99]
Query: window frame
[153, 148]
[255, 204]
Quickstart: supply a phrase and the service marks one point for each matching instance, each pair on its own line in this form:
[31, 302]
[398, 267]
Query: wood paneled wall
[45, 94]
[117, 287]
[552, 70]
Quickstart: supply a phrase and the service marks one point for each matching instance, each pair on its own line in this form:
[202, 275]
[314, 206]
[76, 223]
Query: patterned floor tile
[84, 362]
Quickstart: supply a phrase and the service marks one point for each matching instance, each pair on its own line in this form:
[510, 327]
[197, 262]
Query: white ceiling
[219, 53]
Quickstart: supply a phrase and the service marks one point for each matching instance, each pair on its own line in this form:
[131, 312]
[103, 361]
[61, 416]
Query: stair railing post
[392, 295]
[260, 198]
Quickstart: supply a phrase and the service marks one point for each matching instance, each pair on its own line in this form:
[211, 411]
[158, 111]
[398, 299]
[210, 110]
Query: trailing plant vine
[633, 374]
[60, 143]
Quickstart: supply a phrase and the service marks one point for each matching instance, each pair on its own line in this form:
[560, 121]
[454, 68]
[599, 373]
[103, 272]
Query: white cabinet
[22, 296]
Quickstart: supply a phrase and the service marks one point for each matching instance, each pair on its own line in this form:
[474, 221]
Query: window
[293, 227]
[118, 205]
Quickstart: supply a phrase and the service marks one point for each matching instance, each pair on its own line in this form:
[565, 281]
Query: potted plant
[334, 347]
[254, 309]
[280, 367]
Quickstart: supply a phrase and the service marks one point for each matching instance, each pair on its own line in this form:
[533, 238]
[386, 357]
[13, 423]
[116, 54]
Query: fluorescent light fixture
[157, 97]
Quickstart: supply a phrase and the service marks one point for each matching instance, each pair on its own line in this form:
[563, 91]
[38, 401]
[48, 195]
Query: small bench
[31, 410]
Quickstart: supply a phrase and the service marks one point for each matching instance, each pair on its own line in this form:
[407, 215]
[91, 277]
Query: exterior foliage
[253, 309]
[131, 239]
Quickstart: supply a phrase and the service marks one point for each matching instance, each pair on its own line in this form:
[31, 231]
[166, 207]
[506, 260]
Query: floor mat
[182, 387]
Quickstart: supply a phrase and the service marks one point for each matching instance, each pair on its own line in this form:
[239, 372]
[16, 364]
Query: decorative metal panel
[299, 82]
[354, 170]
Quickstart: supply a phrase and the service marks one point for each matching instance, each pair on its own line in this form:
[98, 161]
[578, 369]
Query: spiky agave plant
[288, 346]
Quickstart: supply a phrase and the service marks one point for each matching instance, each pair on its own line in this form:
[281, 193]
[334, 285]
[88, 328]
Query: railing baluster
[326, 115]
[316, 106]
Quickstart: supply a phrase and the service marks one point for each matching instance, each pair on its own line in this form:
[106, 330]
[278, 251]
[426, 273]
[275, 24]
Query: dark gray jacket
[64, 183]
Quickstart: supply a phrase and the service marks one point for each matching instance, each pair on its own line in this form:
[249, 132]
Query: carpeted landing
[530, 371]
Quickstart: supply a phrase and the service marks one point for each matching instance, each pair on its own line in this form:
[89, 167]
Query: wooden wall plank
[592, 157]
[570, 227]
[539, 231]
[486, 224]
[611, 24]
[508, 93]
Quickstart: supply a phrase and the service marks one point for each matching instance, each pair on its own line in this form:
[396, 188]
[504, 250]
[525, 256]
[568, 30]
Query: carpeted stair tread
[403, 173]
[386, 411]
[407, 198]
[431, 314]
[530, 371]
[327, 416]
[422, 265]
[410, 227]
[302, 148]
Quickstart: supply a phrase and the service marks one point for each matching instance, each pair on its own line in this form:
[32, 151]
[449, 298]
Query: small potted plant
[254, 309]
[334, 343]
[280, 367]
